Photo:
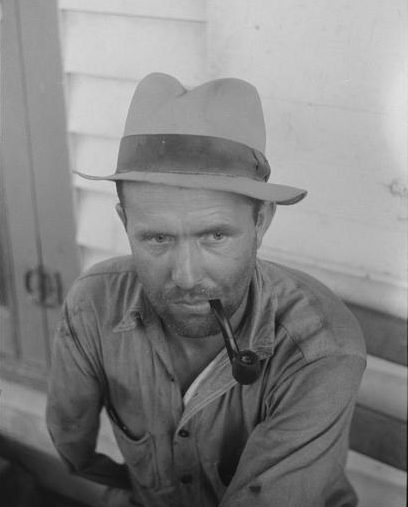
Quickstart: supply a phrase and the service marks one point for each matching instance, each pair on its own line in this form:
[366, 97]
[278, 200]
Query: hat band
[190, 154]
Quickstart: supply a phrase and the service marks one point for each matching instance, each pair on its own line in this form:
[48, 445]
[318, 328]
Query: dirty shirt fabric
[281, 441]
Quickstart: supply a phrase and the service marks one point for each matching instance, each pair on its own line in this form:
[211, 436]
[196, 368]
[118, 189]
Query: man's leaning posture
[228, 380]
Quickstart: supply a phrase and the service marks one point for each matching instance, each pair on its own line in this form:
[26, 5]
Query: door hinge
[44, 287]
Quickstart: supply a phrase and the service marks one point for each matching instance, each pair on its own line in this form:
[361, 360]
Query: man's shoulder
[112, 266]
[103, 278]
[314, 318]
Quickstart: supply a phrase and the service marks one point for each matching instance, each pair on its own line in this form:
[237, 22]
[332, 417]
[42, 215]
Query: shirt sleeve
[73, 407]
[296, 456]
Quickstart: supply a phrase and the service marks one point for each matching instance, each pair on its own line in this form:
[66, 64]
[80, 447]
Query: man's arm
[295, 456]
[73, 408]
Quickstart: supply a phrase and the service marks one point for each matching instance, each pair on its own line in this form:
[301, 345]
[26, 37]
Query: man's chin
[192, 326]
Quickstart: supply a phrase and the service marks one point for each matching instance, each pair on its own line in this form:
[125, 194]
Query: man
[138, 334]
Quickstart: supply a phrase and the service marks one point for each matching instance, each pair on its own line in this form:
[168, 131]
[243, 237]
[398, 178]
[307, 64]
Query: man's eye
[218, 235]
[157, 238]
[215, 237]
[160, 238]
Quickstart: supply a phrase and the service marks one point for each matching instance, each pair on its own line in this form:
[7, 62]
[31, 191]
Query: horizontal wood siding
[386, 336]
[108, 46]
[190, 10]
[131, 47]
[379, 436]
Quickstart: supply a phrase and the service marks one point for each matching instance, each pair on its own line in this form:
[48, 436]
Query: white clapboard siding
[376, 484]
[99, 226]
[98, 106]
[384, 388]
[96, 156]
[345, 242]
[342, 157]
[311, 240]
[127, 47]
[349, 54]
[191, 10]
[351, 284]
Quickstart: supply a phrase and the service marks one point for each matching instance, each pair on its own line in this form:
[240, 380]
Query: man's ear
[122, 215]
[265, 215]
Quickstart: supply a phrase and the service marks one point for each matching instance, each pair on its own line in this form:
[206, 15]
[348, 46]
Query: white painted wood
[98, 106]
[341, 242]
[96, 156]
[129, 48]
[345, 159]
[376, 484]
[192, 10]
[355, 285]
[99, 226]
[351, 54]
[384, 387]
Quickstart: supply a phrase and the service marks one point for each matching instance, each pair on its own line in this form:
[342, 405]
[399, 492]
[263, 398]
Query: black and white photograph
[203, 253]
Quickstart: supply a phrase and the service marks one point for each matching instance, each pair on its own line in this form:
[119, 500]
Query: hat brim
[280, 194]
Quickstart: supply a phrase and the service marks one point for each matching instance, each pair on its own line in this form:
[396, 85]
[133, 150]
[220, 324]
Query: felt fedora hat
[211, 137]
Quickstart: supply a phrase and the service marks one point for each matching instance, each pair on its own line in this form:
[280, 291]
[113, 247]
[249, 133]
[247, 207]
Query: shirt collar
[258, 331]
[134, 312]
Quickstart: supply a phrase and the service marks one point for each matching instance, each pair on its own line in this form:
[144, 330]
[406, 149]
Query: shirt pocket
[140, 457]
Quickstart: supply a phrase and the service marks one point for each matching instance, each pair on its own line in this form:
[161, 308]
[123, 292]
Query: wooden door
[38, 257]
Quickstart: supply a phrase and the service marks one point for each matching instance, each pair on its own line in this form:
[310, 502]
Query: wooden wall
[108, 47]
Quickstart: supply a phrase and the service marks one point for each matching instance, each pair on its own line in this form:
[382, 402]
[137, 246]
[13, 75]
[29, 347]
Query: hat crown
[226, 108]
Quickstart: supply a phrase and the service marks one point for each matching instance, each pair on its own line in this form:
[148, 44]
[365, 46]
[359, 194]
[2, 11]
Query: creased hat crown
[225, 108]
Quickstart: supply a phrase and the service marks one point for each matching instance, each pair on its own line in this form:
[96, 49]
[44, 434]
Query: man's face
[190, 246]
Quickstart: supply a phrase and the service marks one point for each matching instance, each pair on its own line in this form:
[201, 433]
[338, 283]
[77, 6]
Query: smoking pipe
[245, 364]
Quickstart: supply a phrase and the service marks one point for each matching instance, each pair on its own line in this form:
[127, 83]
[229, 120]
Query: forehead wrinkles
[151, 200]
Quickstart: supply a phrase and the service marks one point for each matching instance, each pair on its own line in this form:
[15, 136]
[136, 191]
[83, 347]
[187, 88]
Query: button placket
[185, 456]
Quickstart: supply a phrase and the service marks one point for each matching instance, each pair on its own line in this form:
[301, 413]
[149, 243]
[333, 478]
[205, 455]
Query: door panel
[36, 210]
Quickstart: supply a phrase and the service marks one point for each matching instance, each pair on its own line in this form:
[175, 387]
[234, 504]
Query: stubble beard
[202, 325]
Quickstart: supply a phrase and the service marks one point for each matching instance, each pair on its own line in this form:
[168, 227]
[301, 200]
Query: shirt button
[184, 433]
[186, 479]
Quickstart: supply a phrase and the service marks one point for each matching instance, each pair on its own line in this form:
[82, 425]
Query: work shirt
[279, 442]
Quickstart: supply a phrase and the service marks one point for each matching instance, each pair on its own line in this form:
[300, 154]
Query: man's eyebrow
[150, 231]
[144, 230]
[216, 226]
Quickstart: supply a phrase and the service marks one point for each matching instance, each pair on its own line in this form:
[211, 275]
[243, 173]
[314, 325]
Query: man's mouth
[194, 304]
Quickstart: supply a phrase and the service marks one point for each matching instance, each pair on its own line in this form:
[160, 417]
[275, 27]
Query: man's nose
[186, 272]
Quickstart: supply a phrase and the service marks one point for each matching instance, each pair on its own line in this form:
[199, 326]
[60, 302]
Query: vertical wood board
[18, 180]
[47, 124]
